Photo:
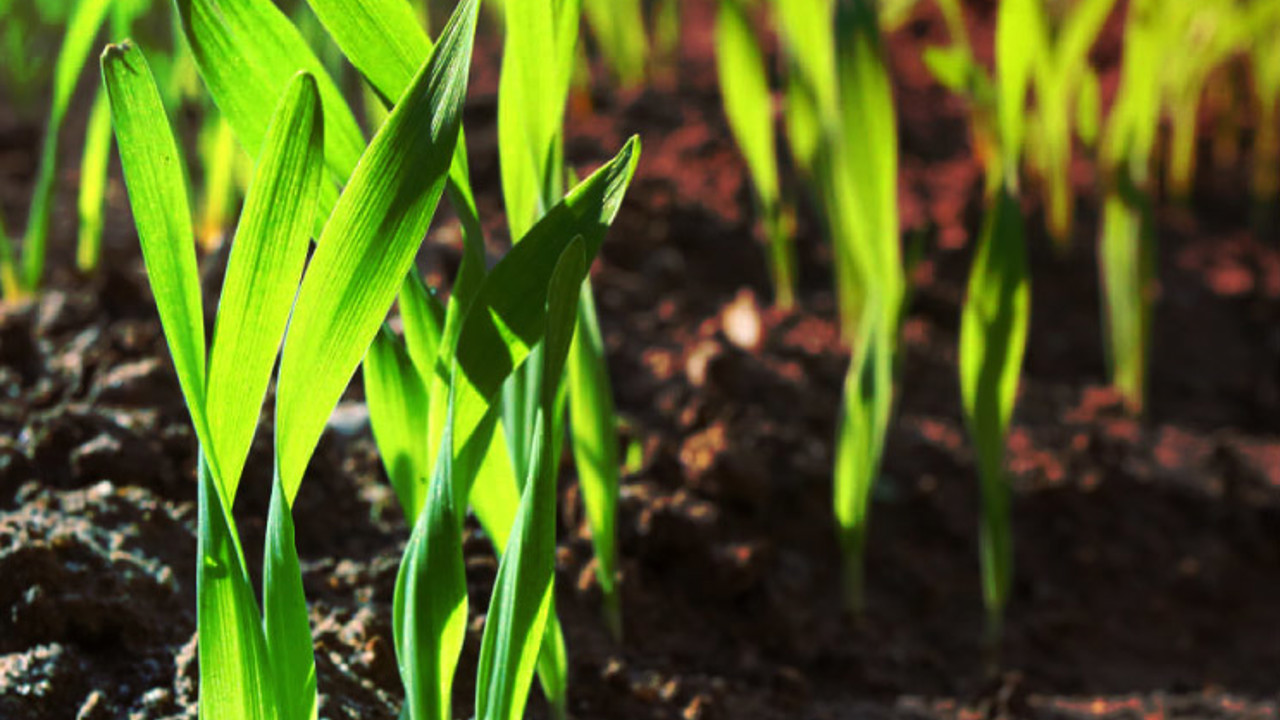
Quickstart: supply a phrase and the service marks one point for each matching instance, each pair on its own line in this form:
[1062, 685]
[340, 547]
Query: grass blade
[235, 672]
[397, 400]
[287, 625]
[537, 65]
[993, 336]
[595, 448]
[93, 183]
[82, 28]
[158, 194]
[267, 256]
[219, 154]
[1127, 265]
[748, 105]
[423, 318]
[507, 317]
[1018, 48]
[619, 28]
[368, 246]
[10, 284]
[522, 594]
[248, 52]
[864, 423]
[430, 603]
[384, 41]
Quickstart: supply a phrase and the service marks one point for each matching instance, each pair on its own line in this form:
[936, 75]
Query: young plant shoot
[1065, 90]
[842, 129]
[253, 663]
[996, 311]
[253, 666]
[748, 105]
[85, 21]
[537, 67]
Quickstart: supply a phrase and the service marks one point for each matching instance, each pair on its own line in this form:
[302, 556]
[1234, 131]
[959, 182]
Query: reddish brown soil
[1147, 552]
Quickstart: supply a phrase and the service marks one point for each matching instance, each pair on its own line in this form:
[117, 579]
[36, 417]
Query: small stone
[741, 321]
[698, 709]
[94, 707]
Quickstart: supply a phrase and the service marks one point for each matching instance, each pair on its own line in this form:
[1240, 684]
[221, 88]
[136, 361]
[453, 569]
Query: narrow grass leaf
[158, 194]
[376, 228]
[1126, 262]
[864, 422]
[430, 601]
[537, 66]
[747, 101]
[287, 625]
[748, 105]
[1018, 45]
[619, 28]
[93, 183]
[595, 448]
[423, 317]
[265, 265]
[993, 335]
[82, 28]
[236, 679]
[385, 42]
[522, 595]
[397, 400]
[247, 52]
[508, 316]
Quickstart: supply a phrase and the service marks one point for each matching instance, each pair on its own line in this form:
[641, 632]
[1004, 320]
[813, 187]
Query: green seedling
[384, 45]
[530, 292]
[841, 127]
[748, 104]
[97, 154]
[1206, 34]
[537, 67]
[619, 28]
[996, 312]
[253, 664]
[250, 666]
[220, 157]
[1127, 238]
[1066, 98]
[82, 28]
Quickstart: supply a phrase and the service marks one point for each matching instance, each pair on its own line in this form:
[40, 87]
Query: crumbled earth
[1147, 550]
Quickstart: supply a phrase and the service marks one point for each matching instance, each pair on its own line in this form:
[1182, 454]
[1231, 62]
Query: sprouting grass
[995, 316]
[82, 28]
[1127, 239]
[93, 184]
[220, 156]
[1065, 93]
[748, 104]
[841, 127]
[469, 406]
[1206, 35]
[619, 28]
[537, 67]
[384, 43]
[253, 663]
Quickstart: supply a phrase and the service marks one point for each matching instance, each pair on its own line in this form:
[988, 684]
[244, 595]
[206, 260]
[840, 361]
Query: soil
[1147, 550]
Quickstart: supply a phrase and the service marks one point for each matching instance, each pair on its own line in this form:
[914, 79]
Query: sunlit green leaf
[375, 228]
[267, 256]
[522, 595]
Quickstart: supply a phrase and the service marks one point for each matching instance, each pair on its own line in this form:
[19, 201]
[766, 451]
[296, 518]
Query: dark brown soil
[1147, 552]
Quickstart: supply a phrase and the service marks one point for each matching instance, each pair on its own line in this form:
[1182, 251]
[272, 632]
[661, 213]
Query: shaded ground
[1147, 557]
